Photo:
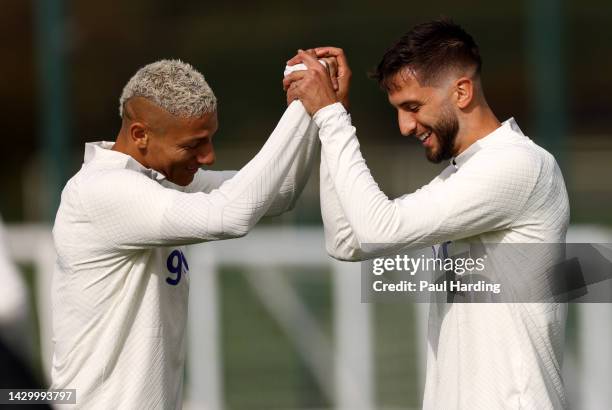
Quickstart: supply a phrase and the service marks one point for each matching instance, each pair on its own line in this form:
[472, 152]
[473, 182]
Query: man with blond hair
[121, 280]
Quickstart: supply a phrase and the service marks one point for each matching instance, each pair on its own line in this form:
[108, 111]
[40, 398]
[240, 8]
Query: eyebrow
[200, 136]
[407, 103]
[193, 138]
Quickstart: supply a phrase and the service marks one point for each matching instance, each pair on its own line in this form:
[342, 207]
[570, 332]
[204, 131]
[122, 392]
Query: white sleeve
[298, 174]
[293, 184]
[486, 194]
[340, 240]
[207, 180]
[133, 211]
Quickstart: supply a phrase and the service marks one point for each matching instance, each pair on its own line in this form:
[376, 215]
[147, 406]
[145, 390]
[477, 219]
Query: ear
[138, 135]
[464, 92]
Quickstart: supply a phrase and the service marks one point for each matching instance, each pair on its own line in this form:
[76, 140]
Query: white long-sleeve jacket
[121, 281]
[502, 189]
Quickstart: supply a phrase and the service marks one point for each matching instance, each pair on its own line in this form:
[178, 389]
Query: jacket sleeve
[486, 194]
[133, 211]
[291, 187]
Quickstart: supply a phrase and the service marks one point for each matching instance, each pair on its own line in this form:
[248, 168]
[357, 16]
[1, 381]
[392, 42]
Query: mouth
[193, 170]
[424, 137]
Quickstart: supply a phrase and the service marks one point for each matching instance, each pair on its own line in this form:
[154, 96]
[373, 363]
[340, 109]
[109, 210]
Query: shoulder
[99, 187]
[511, 159]
[117, 177]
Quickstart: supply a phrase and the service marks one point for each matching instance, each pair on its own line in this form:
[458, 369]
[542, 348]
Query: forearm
[241, 201]
[293, 184]
[300, 170]
[340, 240]
[370, 214]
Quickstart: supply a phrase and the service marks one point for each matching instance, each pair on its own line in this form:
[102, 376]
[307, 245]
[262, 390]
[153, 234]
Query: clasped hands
[319, 86]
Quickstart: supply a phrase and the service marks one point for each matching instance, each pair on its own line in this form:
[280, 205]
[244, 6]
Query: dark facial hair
[446, 130]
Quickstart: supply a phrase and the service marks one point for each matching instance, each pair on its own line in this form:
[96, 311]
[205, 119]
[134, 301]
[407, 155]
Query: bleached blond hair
[173, 85]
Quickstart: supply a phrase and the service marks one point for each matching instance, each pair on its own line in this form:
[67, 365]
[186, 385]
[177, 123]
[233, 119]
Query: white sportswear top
[502, 189]
[121, 280]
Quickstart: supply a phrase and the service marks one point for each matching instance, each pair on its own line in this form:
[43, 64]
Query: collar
[101, 152]
[508, 128]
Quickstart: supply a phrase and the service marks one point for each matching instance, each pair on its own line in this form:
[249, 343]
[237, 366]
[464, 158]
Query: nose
[206, 156]
[407, 123]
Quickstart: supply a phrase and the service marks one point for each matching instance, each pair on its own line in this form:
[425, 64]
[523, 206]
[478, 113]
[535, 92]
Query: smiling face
[425, 112]
[179, 149]
[172, 145]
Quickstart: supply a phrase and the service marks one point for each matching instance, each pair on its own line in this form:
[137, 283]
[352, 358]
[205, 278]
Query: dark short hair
[430, 49]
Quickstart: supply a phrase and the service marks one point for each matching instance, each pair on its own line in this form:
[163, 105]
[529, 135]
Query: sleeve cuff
[328, 112]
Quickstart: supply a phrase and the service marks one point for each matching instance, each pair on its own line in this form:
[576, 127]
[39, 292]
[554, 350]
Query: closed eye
[411, 107]
[196, 143]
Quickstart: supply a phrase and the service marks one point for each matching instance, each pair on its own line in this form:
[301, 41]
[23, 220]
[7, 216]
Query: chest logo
[177, 265]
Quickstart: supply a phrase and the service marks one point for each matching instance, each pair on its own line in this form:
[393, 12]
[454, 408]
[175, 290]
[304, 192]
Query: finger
[332, 68]
[332, 64]
[312, 52]
[310, 62]
[338, 53]
[290, 96]
[292, 77]
[328, 51]
[286, 83]
[297, 59]
[292, 93]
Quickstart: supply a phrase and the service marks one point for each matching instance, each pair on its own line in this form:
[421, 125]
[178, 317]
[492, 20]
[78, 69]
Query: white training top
[121, 280]
[502, 189]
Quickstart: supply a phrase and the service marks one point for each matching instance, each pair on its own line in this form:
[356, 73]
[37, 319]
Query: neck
[480, 122]
[122, 145]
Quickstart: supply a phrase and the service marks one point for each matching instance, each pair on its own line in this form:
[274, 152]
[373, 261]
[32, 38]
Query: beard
[445, 130]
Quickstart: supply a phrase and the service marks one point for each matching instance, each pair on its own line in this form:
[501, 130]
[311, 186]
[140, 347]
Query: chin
[184, 181]
[432, 156]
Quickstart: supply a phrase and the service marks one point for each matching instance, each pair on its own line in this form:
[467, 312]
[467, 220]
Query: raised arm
[484, 196]
[300, 170]
[340, 240]
[291, 187]
[141, 213]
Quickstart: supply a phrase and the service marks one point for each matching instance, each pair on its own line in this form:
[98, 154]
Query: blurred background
[546, 63]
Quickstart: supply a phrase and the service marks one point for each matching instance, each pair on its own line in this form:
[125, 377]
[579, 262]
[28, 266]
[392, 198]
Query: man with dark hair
[433, 48]
[499, 188]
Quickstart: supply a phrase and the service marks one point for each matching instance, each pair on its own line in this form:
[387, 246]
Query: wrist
[327, 112]
[322, 105]
[345, 103]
